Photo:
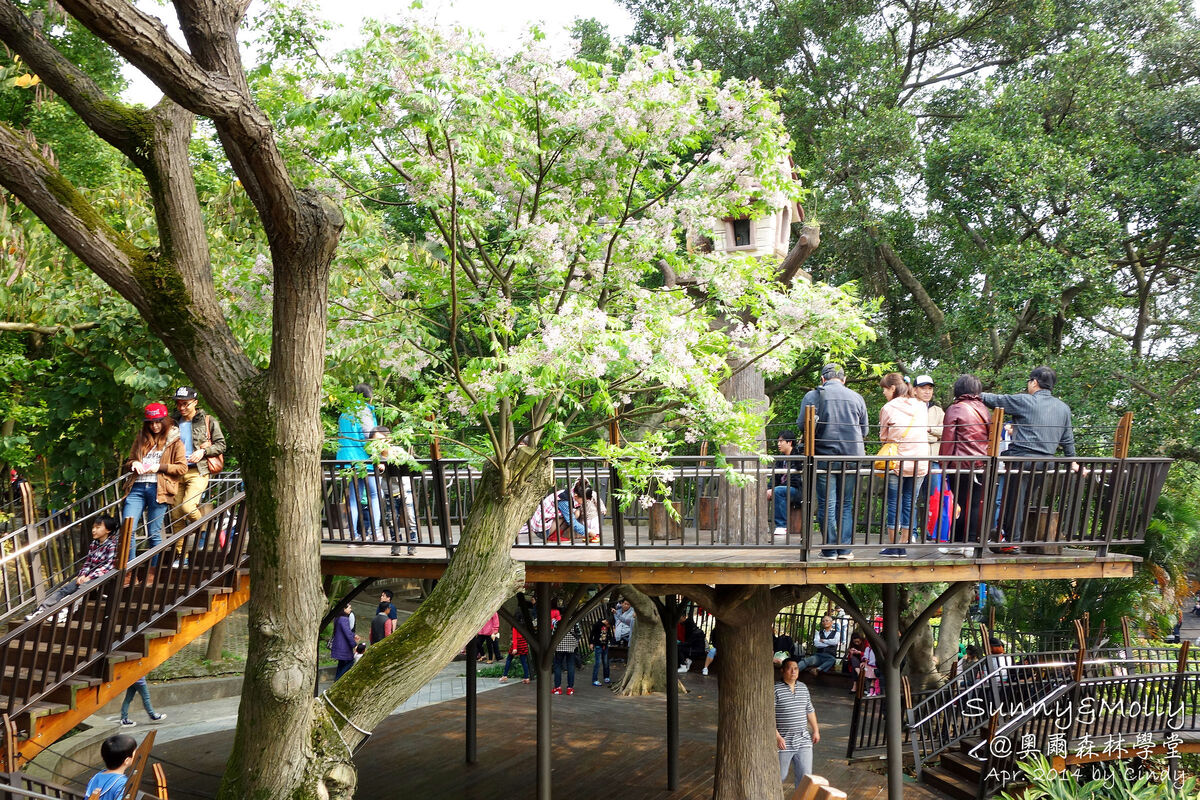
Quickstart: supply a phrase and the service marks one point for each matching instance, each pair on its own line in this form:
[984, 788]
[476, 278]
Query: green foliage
[1120, 783]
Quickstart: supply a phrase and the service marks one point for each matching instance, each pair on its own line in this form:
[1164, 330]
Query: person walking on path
[564, 656]
[601, 639]
[341, 646]
[139, 687]
[841, 428]
[796, 729]
[204, 445]
[487, 641]
[519, 650]
[157, 461]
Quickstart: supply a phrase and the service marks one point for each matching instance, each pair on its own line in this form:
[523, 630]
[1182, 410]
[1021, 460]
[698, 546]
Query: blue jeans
[356, 488]
[524, 664]
[567, 660]
[900, 491]
[144, 497]
[564, 508]
[784, 496]
[822, 661]
[138, 688]
[343, 667]
[601, 653]
[835, 507]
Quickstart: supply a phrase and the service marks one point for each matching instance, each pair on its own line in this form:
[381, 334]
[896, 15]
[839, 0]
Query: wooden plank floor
[604, 747]
[730, 564]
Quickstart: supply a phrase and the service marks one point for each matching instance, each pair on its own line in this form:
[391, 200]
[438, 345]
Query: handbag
[885, 465]
[215, 463]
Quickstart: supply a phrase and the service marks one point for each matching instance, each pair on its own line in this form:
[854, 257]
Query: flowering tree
[562, 283]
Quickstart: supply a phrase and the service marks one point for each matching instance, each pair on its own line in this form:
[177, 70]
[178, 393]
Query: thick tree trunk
[747, 764]
[278, 444]
[919, 664]
[954, 613]
[745, 514]
[477, 581]
[646, 670]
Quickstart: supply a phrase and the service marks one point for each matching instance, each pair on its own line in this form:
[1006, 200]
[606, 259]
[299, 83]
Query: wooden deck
[604, 747]
[728, 564]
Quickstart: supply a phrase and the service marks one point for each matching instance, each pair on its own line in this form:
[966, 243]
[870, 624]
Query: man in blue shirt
[1041, 426]
[840, 431]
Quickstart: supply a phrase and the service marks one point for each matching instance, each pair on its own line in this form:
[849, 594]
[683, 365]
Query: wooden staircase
[957, 774]
[65, 663]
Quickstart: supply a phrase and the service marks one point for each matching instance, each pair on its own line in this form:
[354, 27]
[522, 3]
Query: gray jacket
[841, 419]
[1041, 423]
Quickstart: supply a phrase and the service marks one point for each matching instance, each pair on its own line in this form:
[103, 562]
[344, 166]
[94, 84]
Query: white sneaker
[781, 532]
[704, 671]
[685, 666]
[845, 556]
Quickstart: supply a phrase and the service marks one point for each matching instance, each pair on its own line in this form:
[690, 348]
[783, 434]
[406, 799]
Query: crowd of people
[913, 431]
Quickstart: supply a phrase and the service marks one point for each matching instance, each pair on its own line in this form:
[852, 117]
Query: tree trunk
[747, 764]
[954, 613]
[744, 512]
[481, 575]
[646, 669]
[918, 665]
[216, 641]
[278, 444]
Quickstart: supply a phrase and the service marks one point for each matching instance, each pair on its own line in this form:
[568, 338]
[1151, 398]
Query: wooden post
[439, 494]
[1124, 432]
[991, 480]
[808, 497]
[618, 518]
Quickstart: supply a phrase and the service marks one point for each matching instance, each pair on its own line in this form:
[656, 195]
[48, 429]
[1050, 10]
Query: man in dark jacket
[1041, 426]
[840, 431]
[788, 482]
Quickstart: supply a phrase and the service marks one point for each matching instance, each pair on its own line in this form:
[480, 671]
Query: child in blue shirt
[117, 752]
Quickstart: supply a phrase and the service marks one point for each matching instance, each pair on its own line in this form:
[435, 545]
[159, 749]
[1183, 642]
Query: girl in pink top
[488, 641]
[905, 421]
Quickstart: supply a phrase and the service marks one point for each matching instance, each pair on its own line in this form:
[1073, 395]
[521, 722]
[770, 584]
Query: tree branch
[49, 330]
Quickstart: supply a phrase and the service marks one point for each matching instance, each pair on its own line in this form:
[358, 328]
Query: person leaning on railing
[904, 421]
[841, 428]
[1041, 426]
[100, 558]
[966, 431]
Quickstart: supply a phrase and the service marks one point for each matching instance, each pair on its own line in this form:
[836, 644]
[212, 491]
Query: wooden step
[962, 765]
[954, 785]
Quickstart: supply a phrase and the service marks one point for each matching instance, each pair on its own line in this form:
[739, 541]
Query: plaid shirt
[100, 558]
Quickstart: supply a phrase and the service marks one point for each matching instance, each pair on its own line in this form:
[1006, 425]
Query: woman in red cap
[157, 462]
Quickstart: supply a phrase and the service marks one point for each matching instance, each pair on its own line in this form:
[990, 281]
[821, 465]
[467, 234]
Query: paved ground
[605, 746]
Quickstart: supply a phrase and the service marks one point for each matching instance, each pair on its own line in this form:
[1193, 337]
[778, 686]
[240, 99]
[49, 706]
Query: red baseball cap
[156, 411]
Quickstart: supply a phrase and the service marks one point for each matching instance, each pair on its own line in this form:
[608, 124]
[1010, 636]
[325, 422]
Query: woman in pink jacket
[488, 640]
[905, 421]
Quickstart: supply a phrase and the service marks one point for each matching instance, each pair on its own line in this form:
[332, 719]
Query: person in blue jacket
[353, 426]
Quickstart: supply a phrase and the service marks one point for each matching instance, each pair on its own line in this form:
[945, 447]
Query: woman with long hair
[966, 432]
[903, 420]
[157, 462]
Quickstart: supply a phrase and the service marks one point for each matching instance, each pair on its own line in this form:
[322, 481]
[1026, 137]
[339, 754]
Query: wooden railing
[1088, 504]
[75, 637]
